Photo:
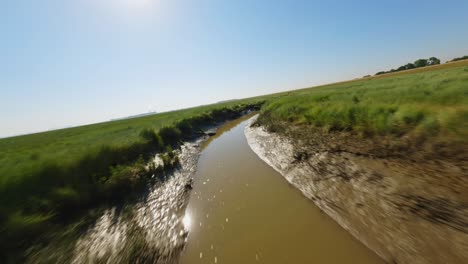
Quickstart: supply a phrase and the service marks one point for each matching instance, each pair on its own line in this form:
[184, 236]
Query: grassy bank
[423, 105]
[50, 177]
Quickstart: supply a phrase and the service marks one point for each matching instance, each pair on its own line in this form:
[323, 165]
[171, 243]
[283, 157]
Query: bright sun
[134, 8]
[137, 3]
[132, 12]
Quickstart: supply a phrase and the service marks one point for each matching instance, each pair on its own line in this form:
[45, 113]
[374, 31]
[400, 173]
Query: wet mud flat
[243, 211]
[406, 210]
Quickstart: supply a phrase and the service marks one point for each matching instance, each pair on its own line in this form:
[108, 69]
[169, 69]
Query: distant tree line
[417, 64]
[459, 59]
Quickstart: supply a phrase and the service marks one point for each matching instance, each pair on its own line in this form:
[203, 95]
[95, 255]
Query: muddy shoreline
[405, 211]
[147, 231]
[242, 211]
[150, 230]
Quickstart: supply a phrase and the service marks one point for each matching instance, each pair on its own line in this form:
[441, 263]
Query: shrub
[151, 136]
[170, 135]
[123, 180]
[148, 134]
[185, 127]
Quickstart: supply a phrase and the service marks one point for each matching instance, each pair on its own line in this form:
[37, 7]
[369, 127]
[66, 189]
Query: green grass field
[429, 103]
[21, 156]
[45, 173]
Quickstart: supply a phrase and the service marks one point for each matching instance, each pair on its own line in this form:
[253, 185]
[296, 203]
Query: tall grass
[429, 104]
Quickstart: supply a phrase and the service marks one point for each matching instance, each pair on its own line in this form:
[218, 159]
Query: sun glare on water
[187, 221]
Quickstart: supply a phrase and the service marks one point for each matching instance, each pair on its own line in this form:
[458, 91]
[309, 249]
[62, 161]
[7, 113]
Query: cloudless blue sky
[66, 63]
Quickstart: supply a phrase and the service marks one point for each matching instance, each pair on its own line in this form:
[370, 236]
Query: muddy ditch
[406, 210]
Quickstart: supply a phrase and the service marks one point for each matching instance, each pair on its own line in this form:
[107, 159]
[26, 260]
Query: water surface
[243, 211]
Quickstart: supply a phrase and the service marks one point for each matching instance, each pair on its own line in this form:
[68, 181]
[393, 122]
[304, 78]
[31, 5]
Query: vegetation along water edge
[48, 178]
[51, 178]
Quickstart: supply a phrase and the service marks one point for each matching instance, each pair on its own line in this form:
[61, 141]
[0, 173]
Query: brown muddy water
[243, 211]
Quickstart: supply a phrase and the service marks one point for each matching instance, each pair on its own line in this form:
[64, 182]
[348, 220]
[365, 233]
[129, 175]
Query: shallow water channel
[243, 211]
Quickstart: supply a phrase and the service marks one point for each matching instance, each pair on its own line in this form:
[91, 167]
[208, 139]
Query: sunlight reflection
[187, 221]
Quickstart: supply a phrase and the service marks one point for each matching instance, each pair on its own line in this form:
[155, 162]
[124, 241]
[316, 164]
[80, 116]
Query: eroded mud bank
[152, 231]
[406, 212]
[149, 231]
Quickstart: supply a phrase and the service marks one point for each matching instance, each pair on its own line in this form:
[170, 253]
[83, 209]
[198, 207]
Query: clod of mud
[211, 132]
